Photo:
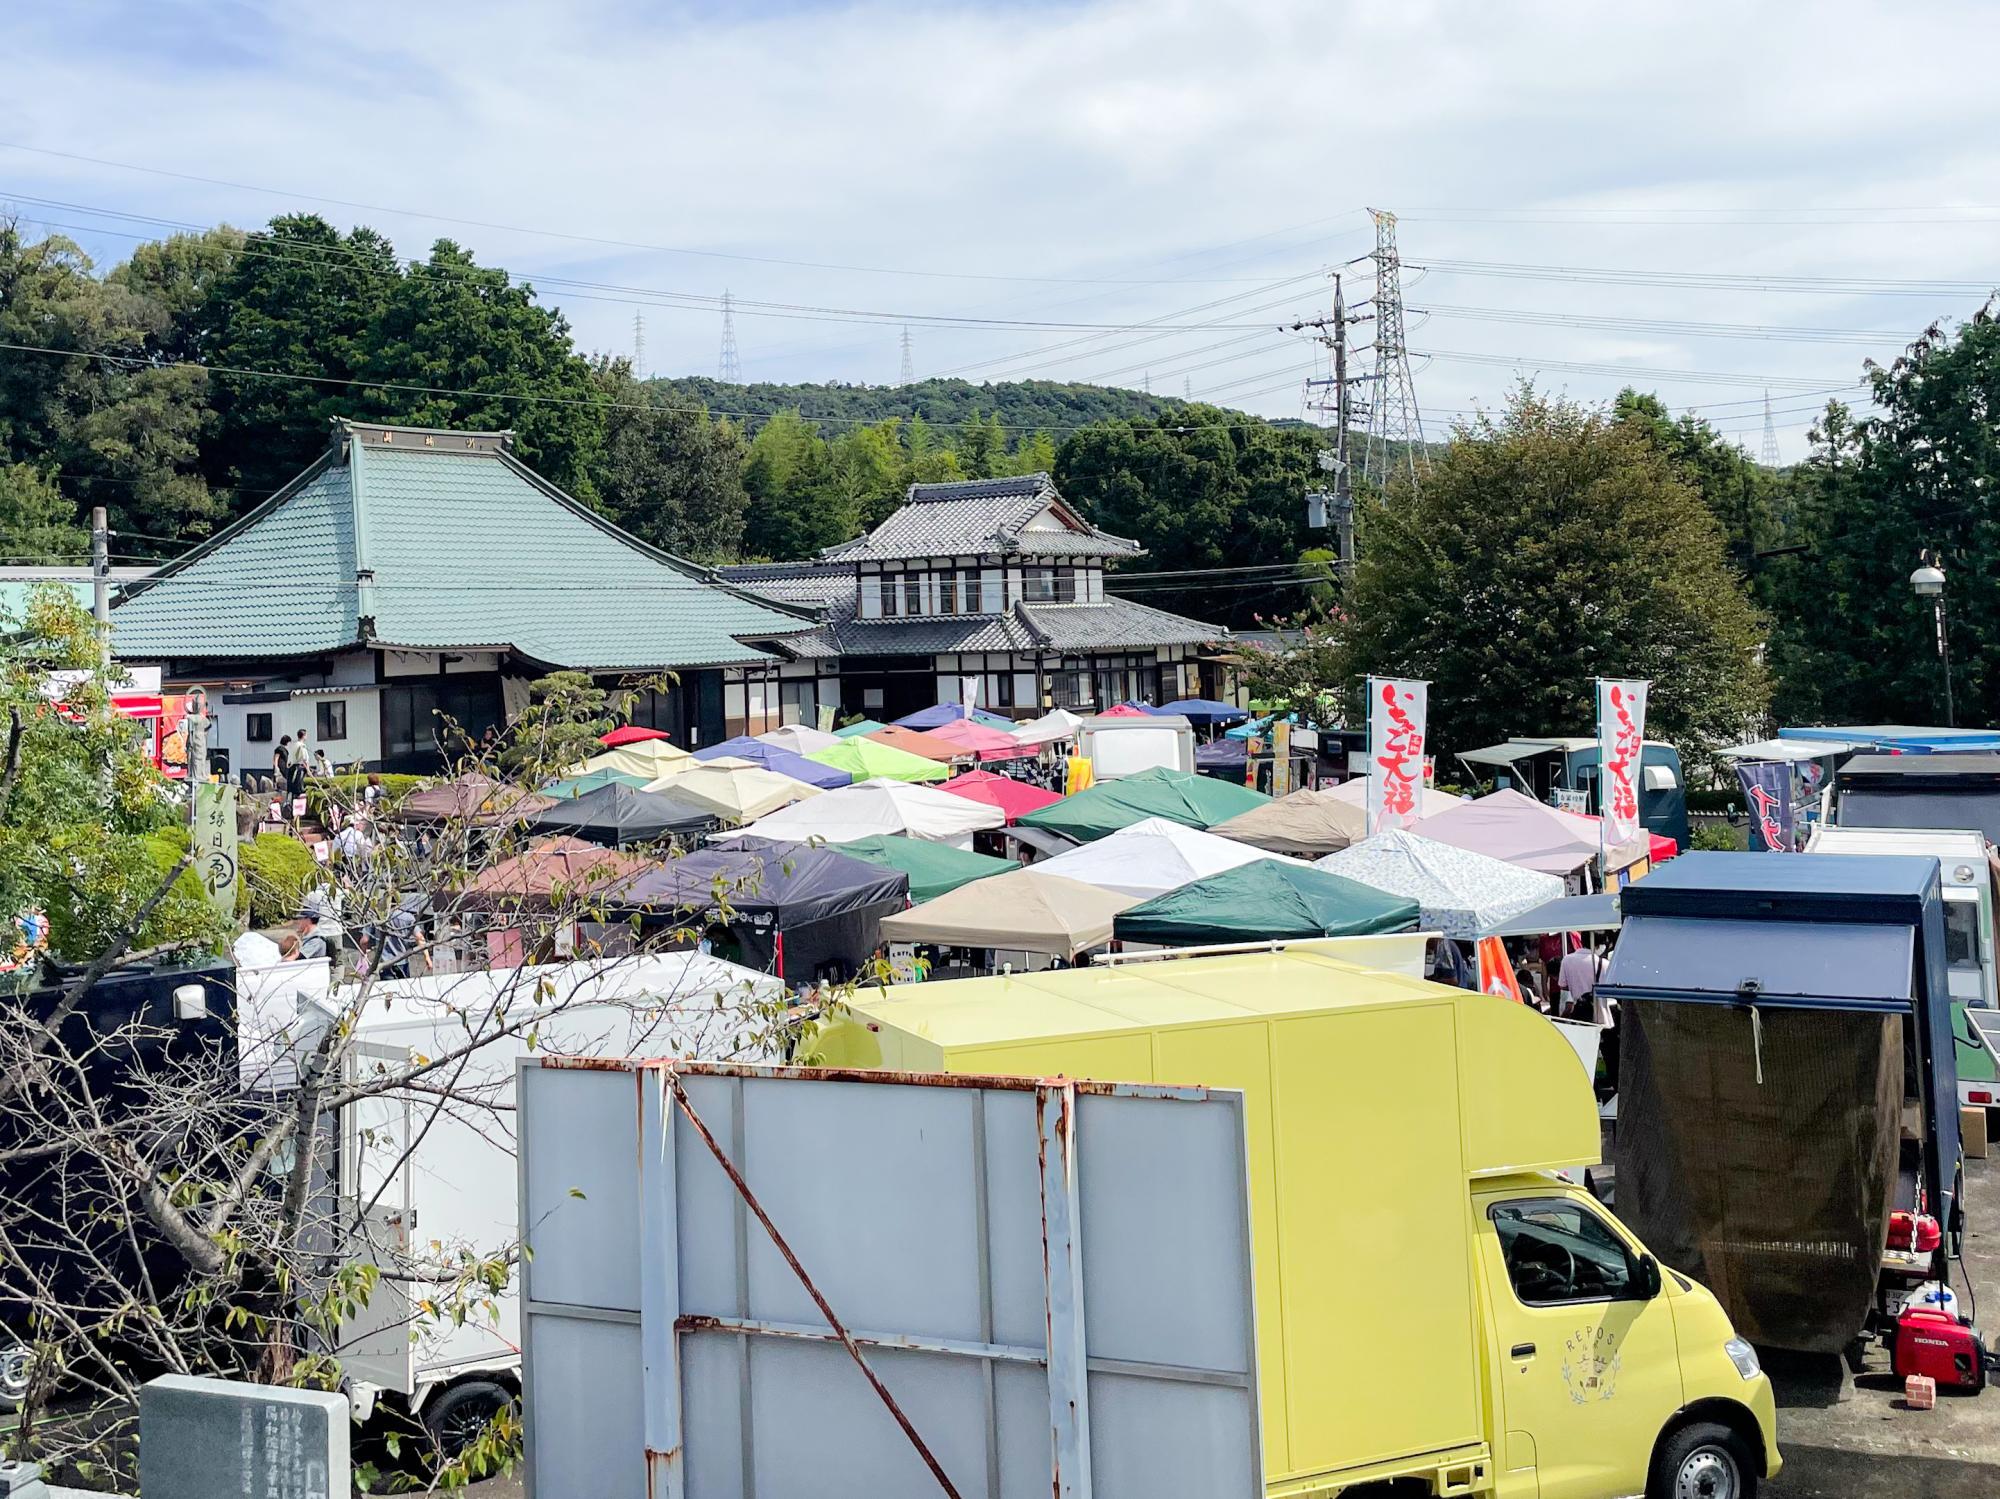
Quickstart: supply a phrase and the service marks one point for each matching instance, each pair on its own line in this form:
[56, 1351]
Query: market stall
[475, 799]
[1266, 899]
[1029, 911]
[651, 758]
[1150, 858]
[1194, 801]
[574, 786]
[869, 808]
[1206, 711]
[735, 790]
[868, 759]
[1521, 831]
[1463, 894]
[801, 912]
[554, 891]
[1015, 799]
[775, 758]
[1057, 726]
[981, 740]
[800, 739]
[939, 714]
[917, 742]
[616, 815]
[934, 869]
[630, 733]
[858, 728]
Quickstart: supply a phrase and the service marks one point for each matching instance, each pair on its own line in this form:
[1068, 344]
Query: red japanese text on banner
[1621, 746]
[1396, 713]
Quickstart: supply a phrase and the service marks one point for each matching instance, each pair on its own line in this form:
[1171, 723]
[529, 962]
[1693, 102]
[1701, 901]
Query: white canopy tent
[1790, 749]
[1052, 727]
[870, 808]
[1152, 857]
[1462, 893]
[799, 738]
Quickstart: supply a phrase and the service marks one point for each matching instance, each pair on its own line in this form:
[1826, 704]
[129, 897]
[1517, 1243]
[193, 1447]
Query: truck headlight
[1744, 1357]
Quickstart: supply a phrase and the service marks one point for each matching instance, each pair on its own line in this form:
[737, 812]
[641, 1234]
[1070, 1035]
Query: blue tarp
[943, 713]
[1203, 710]
[1909, 738]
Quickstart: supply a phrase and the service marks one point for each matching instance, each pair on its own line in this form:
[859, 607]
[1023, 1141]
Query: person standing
[295, 769]
[281, 760]
[1578, 980]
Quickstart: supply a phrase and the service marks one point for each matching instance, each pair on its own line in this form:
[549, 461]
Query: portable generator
[1929, 1337]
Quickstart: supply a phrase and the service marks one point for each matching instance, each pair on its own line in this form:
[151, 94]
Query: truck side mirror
[1649, 1277]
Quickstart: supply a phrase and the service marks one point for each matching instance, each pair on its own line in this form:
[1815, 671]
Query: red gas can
[1941, 1347]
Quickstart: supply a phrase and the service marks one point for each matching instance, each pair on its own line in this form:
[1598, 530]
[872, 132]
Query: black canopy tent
[616, 814]
[796, 910]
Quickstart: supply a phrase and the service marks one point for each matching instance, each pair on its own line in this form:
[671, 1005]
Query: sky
[1713, 201]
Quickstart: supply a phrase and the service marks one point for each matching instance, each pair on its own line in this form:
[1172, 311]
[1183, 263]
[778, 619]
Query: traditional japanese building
[412, 573]
[997, 579]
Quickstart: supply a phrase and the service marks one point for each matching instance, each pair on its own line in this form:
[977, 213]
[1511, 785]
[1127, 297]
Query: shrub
[1719, 837]
[277, 872]
[347, 790]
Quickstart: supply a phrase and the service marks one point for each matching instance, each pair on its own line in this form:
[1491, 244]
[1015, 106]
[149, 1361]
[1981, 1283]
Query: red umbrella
[631, 733]
[1015, 798]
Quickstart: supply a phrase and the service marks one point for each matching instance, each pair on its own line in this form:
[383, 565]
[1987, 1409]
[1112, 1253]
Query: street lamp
[1928, 581]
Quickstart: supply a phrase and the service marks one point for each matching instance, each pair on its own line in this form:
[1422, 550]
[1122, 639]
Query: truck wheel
[456, 1418]
[16, 1363]
[1703, 1460]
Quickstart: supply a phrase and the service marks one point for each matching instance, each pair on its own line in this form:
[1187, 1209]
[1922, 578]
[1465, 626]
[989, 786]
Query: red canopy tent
[1123, 710]
[630, 733]
[985, 741]
[1015, 798]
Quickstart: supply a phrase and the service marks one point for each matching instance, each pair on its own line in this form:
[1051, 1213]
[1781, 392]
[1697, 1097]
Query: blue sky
[1102, 164]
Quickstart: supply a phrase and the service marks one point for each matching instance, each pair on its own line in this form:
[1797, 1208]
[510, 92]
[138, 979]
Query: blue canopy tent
[943, 713]
[1204, 710]
[774, 757]
[1225, 759]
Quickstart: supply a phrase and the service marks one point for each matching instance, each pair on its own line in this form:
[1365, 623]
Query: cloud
[1161, 142]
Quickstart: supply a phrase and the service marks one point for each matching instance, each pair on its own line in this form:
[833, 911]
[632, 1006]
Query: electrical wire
[1709, 280]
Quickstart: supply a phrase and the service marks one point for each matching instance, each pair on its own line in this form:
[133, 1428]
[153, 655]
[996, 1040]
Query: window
[1559, 1251]
[913, 593]
[332, 718]
[947, 593]
[257, 728]
[1961, 933]
[1065, 585]
[887, 585]
[1040, 584]
[970, 587]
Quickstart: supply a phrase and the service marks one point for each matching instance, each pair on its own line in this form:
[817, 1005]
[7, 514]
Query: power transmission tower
[1187, 387]
[1393, 419]
[729, 369]
[1146, 382]
[909, 364]
[1334, 398]
[1769, 457]
[638, 345]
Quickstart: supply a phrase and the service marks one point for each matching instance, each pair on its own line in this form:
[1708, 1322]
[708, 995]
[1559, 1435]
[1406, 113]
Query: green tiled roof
[436, 541]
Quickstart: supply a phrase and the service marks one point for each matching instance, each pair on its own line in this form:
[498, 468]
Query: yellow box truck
[1435, 1302]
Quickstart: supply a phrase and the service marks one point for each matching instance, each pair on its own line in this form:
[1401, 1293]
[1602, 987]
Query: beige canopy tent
[1026, 911]
[737, 790]
[1311, 823]
[651, 758]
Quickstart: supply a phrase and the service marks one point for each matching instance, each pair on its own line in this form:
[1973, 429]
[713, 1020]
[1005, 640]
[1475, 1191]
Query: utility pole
[1335, 398]
[100, 582]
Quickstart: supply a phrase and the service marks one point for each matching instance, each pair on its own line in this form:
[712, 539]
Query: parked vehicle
[1918, 791]
[1121, 745]
[1547, 768]
[1787, 1019]
[1439, 1305]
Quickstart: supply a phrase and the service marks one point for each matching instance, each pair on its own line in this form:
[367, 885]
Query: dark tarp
[1775, 1194]
[793, 909]
[1223, 759]
[1265, 899]
[1596, 912]
[615, 814]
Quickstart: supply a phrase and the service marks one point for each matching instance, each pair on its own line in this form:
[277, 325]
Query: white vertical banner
[968, 694]
[1621, 746]
[1396, 713]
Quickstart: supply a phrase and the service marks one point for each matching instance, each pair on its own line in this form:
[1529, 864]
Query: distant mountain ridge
[1051, 406]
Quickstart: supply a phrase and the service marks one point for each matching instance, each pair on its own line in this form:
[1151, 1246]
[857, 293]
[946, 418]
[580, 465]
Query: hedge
[277, 872]
[348, 790]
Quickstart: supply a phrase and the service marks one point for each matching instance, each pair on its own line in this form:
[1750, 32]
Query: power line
[1710, 280]
[1770, 332]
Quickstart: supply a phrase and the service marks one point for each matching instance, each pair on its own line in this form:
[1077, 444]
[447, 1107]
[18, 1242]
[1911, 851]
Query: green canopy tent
[571, 787]
[1271, 898]
[871, 760]
[934, 868]
[856, 730]
[1193, 801]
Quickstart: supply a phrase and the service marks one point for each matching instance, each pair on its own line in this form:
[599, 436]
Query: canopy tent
[1596, 912]
[617, 814]
[854, 730]
[871, 807]
[1052, 727]
[736, 790]
[1270, 898]
[474, 798]
[1310, 823]
[783, 761]
[630, 733]
[934, 868]
[800, 739]
[1791, 750]
[1430, 800]
[1015, 799]
[1463, 894]
[940, 714]
[1181, 796]
[982, 741]
[574, 786]
[1223, 759]
[1248, 730]
[1124, 710]
[917, 742]
[1518, 829]
[1029, 910]
[651, 758]
[868, 759]
[790, 909]
[552, 871]
[1150, 858]
[1204, 710]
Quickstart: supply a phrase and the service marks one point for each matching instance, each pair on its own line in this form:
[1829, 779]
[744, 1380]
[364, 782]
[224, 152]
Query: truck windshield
[1557, 1250]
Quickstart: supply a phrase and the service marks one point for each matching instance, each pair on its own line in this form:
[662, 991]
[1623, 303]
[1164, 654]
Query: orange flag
[1496, 974]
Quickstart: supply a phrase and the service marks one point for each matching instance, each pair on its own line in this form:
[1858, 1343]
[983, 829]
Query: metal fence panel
[1051, 1281]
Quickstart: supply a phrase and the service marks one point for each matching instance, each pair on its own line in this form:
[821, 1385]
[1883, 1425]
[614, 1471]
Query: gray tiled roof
[1115, 622]
[975, 517]
[808, 584]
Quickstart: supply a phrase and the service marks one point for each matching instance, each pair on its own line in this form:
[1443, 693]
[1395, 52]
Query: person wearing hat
[303, 940]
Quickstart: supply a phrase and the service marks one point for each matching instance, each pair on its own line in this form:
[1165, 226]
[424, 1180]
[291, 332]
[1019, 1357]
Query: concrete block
[202, 1438]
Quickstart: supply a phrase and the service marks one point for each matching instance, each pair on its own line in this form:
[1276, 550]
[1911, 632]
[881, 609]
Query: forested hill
[1021, 405]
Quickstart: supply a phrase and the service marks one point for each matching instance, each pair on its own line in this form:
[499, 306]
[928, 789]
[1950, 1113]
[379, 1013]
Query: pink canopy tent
[1014, 798]
[985, 741]
[1123, 710]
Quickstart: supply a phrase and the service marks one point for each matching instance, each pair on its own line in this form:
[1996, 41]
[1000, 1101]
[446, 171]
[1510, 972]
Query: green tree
[787, 474]
[1743, 496]
[982, 445]
[1543, 549]
[1035, 453]
[865, 472]
[670, 476]
[1852, 641]
[37, 521]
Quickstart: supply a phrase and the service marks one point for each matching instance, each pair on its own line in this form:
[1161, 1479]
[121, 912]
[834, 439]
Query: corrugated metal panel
[991, 1246]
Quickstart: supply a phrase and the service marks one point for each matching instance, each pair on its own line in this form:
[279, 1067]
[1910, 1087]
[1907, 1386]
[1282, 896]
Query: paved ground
[1850, 1439]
